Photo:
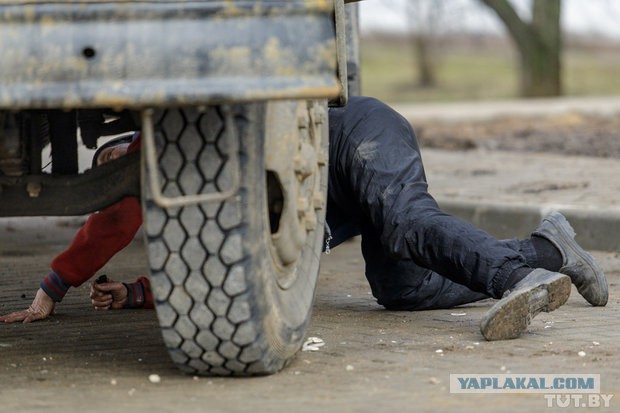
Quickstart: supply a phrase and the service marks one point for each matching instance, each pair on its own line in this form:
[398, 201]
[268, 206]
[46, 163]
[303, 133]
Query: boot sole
[510, 316]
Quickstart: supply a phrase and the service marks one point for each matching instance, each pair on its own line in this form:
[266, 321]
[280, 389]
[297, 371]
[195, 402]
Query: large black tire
[234, 281]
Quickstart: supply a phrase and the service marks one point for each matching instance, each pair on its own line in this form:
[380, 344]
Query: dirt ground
[569, 134]
[372, 361]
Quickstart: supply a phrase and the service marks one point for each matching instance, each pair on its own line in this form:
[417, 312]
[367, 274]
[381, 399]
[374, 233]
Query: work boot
[540, 290]
[580, 266]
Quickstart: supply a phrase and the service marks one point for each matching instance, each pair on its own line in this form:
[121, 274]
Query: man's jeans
[417, 257]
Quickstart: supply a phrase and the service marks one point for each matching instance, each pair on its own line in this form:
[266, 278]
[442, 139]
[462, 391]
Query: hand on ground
[41, 308]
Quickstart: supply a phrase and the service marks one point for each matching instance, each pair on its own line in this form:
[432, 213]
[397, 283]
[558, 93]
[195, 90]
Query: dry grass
[478, 69]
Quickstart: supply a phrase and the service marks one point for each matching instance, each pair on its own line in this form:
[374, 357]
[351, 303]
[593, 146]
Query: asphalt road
[372, 361]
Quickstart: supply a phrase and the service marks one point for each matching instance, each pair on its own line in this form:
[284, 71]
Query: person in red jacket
[103, 235]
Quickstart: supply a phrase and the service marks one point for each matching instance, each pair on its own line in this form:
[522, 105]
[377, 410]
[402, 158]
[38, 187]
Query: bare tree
[539, 43]
[424, 17]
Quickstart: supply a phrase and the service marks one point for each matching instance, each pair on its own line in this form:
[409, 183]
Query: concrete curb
[597, 228]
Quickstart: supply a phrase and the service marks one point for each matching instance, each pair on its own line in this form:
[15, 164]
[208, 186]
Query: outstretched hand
[110, 295]
[42, 307]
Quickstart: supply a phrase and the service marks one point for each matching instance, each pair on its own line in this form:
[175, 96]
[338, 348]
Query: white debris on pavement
[581, 354]
[349, 367]
[154, 378]
[458, 314]
[439, 351]
[313, 344]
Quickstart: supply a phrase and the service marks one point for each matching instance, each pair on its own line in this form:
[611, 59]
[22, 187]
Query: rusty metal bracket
[153, 178]
[341, 53]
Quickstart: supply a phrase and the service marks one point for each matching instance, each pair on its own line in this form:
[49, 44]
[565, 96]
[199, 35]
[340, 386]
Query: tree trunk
[539, 43]
[425, 64]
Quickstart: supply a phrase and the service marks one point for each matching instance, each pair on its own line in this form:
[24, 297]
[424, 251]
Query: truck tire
[234, 281]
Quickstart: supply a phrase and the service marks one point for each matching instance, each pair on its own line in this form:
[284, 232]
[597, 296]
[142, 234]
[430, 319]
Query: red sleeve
[104, 234]
[148, 294]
